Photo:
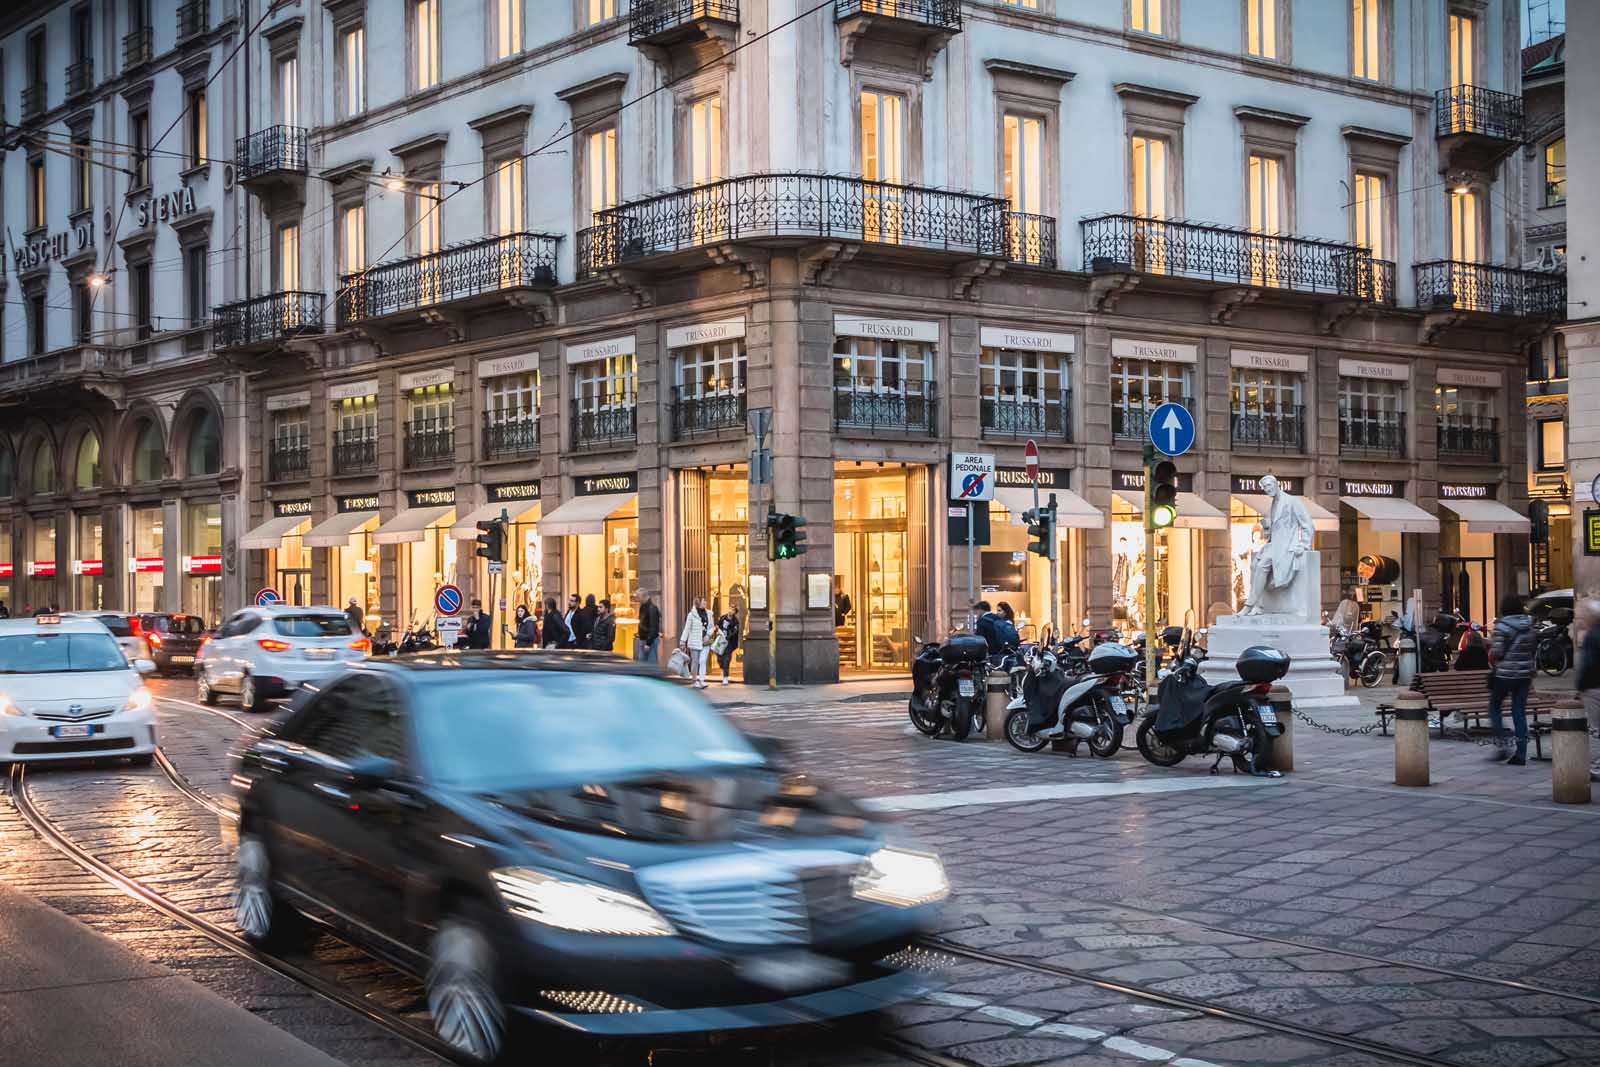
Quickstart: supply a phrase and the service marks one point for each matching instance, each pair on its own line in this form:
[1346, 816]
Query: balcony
[1218, 256]
[1031, 239]
[1273, 430]
[668, 22]
[1021, 417]
[1130, 420]
[510, 436]
[489, 266]
[1383, 437]
[603, 427]
[429, 443]
[137, 47]
[787, 208]
[33, 100]
[861, 408]
[194, 18]
[1454, 285]
[355, 450]
[1461, 437]
[80, 77]
[707, 414]
[266, 322]
[1476, 128]
[289, 459]
[275, 156]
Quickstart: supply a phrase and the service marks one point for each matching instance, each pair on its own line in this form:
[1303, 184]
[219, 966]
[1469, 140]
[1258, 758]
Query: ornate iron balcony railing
[289, 458]
[429, 443]
[943, 13]
[1278, 428]
[1130, 420]
[266, 319]
[80, 76]
[355, 450]
[1375, 281]
[272, 150]
[506, 435]
[137, 47]
[33, 99]
[1373, 434]
[194, 17]
[1474, 438]
[1017, 417]
[1030, 239]
[486, 265]
[707, 413]
[859, 407]
[1470, 109]
[1489, 288]
[648, 19]
[603, 427]
[794, 205]
[1227, 254]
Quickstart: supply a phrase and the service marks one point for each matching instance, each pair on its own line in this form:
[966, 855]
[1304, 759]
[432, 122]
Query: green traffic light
[1163, 515]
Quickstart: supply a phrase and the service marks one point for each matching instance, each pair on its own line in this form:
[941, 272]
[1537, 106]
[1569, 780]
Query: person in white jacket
[695, 639]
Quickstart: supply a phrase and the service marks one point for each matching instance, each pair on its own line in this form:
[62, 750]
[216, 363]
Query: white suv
[67, 692]
[266, 652]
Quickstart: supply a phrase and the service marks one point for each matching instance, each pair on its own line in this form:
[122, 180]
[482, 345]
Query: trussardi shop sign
[598, 484]
[1466, 491]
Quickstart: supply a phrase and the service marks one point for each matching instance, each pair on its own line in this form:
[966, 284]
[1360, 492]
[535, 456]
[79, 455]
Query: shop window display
[42, 550]
[1176, 573]
[424, 566]
[202, 549]
[147, 575]
[870, 560]
[88, 591]
[1244, 540]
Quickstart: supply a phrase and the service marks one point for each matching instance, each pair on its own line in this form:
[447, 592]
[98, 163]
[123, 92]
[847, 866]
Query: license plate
[789, 971]
[319, 653]
[967, 687]
[84, 730]
[1268, 716]
[1119, 708]
[183, 659]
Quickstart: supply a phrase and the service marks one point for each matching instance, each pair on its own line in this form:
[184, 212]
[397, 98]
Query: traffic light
[787, 537]
[492, 540]
[1163, 494]
[1038, 520]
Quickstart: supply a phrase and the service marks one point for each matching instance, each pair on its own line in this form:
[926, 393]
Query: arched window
[204, 452]
[87, 474]
[147, 453]
[44, 468]
[8, 472]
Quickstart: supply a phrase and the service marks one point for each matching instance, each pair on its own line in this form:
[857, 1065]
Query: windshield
[192, 625]
[529, 730]
[312, 625]
[51, 653]
[117, 624]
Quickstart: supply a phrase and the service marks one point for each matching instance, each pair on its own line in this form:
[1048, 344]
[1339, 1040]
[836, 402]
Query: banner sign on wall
[1372, 488]
[363, 502]
[600, 484]
[431, 498]
[512, 491]
[284, 509]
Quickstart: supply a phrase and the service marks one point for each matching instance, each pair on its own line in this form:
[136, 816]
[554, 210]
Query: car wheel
[261, 915]
[202, 687]
[143, 760]
[467, 1011]
[250, 698]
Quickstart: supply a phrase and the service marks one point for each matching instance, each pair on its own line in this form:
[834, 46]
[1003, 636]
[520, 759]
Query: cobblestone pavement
[1458, 923]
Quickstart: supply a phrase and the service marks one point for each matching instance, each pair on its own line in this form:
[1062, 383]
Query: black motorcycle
[1552, 651]
[1054, 706]
[949, 685]
[418, 639]
[1193, 718]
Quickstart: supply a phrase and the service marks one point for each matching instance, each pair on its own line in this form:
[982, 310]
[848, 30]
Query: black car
[174, 639]
[576, 841]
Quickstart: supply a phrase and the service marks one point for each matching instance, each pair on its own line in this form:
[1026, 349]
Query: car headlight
[903, 879]
[138, 700]
[8, 708]
[579, 906]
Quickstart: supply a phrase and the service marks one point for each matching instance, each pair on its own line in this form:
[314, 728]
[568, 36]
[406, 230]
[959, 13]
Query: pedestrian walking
[583, 623]
[1589, 679]
[527, 633]
[573, 604]
[556, 634]
[649, 632]
[352, 611]
[695, 639]
[603, 638]
[726, 643]
[1511, 653]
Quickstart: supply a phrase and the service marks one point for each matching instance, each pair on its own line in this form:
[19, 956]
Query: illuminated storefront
[147, 567]
[523, 580]
[880, 555]
[1009, 572]
[1377, 561]
[599, 528]
[353, 555]
[288, 561]
[425, 551]
[1179, 557]
[714, 542]
[42, 562]
[88, 585]
[202, 560]
[1472, 544]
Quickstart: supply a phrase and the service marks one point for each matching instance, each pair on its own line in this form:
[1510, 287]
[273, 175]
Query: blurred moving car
[124, 628]
[261, 653]
[174, 639]
[546, 837]
[68, 692]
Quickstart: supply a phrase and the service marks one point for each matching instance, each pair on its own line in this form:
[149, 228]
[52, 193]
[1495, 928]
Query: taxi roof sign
[47, 620]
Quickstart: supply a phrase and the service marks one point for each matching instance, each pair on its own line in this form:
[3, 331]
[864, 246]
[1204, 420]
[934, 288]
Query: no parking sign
[267, 597]
[447, 600]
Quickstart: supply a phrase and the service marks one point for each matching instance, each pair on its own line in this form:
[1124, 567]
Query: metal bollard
[994, 709]
[1281, 756]
[1411, 741]
[1569, 758]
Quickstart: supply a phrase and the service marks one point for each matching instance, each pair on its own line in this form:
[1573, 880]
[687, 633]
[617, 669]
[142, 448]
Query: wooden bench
[1465, 694]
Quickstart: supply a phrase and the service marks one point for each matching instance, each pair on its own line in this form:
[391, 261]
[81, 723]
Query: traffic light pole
[772, 589]
[1055, 554]
[1150, 533]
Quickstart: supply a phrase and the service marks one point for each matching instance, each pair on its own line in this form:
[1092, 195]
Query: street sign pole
[1150, 534]
[972, 566]
[772, 592]
[1055, 555]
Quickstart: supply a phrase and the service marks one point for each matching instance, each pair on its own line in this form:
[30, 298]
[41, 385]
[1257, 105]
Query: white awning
[272, 532]
[1323, 520]
[1488, 516]
[1072, 511]
[1392, 515]
[1193, 511]
[583, 514]
[335, 532]
[520, 511]
[412, 524]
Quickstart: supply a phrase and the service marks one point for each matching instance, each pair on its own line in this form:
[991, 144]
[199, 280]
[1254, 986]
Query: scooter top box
[964, 648]
[1113, 659]
[1260, 663]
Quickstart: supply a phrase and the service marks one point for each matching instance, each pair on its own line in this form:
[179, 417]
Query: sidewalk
[68, 995]
[872, 687]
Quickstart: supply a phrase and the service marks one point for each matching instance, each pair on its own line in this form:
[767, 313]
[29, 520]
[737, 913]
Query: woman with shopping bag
[695, 639]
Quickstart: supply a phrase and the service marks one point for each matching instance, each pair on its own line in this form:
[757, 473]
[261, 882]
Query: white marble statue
[1280, 565]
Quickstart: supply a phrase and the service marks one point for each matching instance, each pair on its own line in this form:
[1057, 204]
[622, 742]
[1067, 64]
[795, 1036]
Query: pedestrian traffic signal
[1040, 522]
[1163, 494]
[786, 539]
[492, 540]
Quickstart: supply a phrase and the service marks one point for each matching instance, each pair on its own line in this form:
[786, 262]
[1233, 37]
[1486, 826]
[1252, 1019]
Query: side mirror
[369, 771]
[145, 666]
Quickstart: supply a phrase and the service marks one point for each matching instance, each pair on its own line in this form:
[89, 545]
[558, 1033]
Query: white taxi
[68, 692]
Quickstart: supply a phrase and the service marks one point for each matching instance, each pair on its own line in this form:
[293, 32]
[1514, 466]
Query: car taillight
[361, 644]
[204, 641]
[154, 638]
[135, 627]
[272, 644]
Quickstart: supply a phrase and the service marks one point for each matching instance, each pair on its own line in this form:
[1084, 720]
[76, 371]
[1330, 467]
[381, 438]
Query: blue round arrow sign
[1172, 429]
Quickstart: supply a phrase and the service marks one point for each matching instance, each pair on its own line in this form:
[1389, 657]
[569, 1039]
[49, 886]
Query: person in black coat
[556, 634]
[480, 628]
[604, 636]
[583, 623]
